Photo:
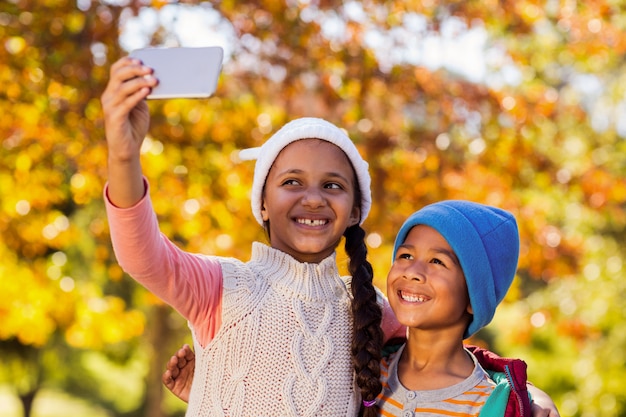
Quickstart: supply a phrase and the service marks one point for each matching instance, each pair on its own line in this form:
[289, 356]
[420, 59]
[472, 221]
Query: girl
[272, 335]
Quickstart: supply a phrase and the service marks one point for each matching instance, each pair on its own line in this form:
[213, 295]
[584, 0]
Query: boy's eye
[405, 256]
[438, 261]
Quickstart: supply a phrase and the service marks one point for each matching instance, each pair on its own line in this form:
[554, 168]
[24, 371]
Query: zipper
[509, 377]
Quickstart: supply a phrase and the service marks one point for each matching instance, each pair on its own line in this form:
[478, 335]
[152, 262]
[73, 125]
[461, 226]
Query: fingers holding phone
[126, 115]
[129, 82]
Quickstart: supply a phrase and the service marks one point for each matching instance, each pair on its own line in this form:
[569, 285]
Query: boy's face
[309, 199]
[426, 286]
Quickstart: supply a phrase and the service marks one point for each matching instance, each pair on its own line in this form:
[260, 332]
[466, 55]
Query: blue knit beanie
[486, 241]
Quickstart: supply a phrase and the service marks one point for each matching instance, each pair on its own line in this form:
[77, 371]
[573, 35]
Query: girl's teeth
[309, 222]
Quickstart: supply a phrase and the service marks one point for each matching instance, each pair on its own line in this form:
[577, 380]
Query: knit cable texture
[284, 345]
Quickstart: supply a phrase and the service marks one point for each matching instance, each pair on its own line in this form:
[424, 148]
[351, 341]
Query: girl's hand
[126, 121]
[126, 116]
[542, 405]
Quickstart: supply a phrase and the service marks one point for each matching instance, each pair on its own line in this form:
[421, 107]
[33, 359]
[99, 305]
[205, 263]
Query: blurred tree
[62, 292]
[516, 104]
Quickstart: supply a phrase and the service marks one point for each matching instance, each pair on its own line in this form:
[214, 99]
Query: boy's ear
[470, 309]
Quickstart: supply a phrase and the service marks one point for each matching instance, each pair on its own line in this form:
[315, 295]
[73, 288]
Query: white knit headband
[305, 128]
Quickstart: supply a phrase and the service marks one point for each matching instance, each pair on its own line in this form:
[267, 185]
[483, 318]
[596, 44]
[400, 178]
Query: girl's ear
[355, 216]
[264, 214]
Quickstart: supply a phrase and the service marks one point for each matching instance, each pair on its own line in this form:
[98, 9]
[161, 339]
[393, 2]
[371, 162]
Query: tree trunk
[27, 402]
[157, 338]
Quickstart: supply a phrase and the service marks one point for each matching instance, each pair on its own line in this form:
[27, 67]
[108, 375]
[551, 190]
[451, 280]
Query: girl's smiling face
[309, 199]
[426, 286]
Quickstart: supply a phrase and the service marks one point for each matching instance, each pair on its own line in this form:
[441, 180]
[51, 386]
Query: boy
[453, 263]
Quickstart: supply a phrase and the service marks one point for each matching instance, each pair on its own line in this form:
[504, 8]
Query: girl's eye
[333, 185]
[290, 182]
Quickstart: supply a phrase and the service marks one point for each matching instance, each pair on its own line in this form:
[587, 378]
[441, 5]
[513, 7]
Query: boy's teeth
[413, 298]
[310, 222]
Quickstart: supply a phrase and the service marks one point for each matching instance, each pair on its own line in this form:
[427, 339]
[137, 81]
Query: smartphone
[183, 72]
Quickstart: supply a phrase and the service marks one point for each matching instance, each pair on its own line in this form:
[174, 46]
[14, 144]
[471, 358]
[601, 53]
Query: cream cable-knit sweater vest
[284, 345]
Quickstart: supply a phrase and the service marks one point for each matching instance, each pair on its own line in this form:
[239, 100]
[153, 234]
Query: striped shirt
[464, 399]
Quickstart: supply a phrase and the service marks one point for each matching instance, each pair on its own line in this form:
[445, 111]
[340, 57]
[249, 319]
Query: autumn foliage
[537, 129]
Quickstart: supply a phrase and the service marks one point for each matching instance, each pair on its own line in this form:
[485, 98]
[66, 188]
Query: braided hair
[367, 334]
